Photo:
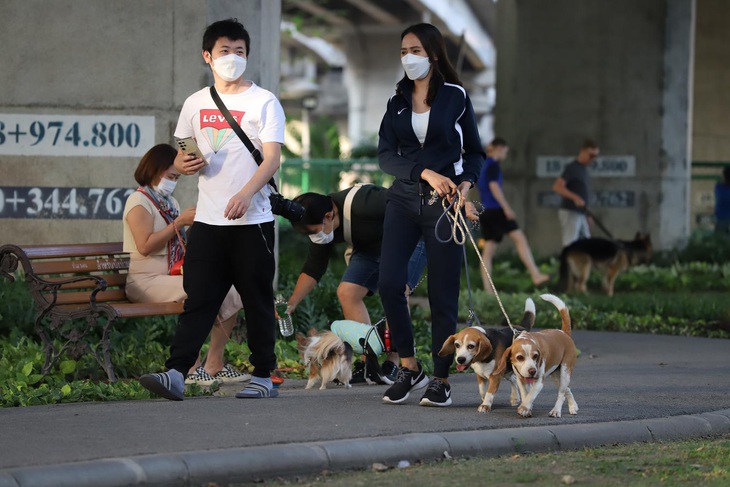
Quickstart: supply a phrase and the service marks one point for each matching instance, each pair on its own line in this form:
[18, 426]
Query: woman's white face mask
[416, 67]
[166, 186]
[322, 237]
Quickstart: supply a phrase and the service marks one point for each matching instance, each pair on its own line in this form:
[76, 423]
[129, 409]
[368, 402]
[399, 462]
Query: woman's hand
[444, 186]
[237, 206]
[186, 218]
[186, 164]
[471, 212]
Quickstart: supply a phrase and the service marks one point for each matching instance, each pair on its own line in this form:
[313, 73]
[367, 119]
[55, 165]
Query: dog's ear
[502, 366]
[301, 339]
[484, 349]
[312, 332]
[448, 348]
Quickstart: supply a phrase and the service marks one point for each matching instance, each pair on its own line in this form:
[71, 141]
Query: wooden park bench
[78, 281]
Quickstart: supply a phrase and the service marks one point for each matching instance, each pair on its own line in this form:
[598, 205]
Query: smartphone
[189, 147]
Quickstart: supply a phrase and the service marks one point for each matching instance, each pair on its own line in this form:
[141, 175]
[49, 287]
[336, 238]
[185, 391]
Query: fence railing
[329, 175]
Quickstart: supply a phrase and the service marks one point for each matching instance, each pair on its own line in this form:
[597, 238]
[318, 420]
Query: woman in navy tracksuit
[429, 141]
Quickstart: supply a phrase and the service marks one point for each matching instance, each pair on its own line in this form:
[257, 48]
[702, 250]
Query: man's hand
[237, 206]
[579, 202]
[509, 213]
[186, 164]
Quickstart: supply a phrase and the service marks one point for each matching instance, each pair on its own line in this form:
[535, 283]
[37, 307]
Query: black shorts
[495, 224]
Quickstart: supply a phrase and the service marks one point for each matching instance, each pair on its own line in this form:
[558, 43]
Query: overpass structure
[106, 80]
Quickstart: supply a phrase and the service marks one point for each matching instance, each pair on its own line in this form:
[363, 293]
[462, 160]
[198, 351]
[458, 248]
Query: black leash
[599, 223]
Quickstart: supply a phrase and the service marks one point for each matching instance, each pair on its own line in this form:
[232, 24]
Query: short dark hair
[315, 206]
[498, 142]
[156, 161]
[230, 28]
[589, 144]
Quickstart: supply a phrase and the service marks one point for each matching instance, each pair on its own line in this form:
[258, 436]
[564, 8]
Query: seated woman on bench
[153, 229]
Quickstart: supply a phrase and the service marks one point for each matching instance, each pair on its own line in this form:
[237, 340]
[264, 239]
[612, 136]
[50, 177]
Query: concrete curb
[246, 464]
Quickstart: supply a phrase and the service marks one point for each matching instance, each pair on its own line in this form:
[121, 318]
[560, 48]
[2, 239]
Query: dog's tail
[328, 344]
[528, 319]
[563, 311]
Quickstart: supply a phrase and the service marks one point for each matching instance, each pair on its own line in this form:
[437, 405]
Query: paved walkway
[628, 387]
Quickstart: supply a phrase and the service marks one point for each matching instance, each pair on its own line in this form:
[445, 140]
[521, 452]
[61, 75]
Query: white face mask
[166, 186]
[416, 67]
[323, 238]
[229, 67]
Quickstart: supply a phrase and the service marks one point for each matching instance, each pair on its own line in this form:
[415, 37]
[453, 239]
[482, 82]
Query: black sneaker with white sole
[438, 393]
[390, 372]
[406, 381]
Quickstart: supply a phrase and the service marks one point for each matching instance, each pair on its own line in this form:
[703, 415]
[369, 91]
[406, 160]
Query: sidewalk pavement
[629, 388]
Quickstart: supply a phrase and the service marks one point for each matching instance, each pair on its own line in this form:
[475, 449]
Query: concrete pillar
[617, 71]
[105, 60]
[373, 69]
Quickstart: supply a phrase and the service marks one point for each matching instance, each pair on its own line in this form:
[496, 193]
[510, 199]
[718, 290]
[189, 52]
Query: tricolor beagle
[481, 349]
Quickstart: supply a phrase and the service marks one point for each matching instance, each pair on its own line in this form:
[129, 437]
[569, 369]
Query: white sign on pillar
[602, 167]
[75, 135]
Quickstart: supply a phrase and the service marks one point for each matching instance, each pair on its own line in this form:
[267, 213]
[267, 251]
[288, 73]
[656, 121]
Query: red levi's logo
[215, 129]
[216, 120]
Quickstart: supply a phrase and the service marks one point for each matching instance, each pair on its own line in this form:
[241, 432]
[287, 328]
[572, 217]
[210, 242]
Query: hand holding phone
[190, 148]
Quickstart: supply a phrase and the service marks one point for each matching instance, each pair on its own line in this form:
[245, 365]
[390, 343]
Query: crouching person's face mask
[323, 237]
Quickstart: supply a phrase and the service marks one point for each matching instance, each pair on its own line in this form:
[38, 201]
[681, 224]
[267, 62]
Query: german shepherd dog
[610, 257]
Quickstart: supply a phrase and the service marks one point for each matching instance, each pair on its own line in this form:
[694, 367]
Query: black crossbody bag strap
[239, 131]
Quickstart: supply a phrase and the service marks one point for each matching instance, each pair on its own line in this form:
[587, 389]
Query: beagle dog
[481, 349]
[538, 354]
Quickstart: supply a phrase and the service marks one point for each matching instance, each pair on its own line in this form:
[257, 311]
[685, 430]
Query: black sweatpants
[218, 257]
[402, 229]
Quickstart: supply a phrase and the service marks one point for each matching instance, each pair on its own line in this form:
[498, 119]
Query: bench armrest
[52, 287]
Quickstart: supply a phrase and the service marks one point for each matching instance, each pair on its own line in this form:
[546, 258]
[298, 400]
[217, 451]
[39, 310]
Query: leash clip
[434, 197]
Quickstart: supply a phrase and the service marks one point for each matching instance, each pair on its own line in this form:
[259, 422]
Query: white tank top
[420, 124]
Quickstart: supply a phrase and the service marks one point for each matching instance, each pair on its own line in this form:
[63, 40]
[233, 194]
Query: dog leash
[458, 220]
[598, 222]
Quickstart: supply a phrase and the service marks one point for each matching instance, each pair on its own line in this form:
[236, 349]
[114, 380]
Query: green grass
[703, 462]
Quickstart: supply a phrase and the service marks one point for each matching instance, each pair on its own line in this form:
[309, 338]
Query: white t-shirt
[420, 124]
[231, 165]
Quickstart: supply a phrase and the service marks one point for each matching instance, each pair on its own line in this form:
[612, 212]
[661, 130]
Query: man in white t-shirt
[232, 241]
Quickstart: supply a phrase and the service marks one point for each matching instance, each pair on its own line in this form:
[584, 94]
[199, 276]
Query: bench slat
[112, 280]
[135, 310]
[85, 266]
[71, 250]
[83, 297]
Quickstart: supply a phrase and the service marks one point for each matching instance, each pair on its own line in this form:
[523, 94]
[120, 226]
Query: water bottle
[286, 327]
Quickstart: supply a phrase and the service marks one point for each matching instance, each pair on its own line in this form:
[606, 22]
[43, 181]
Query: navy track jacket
[452, 146]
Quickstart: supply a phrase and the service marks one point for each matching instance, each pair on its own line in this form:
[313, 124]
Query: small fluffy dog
[535, 355]
[327, 356]
[482, 349]
[610, 257]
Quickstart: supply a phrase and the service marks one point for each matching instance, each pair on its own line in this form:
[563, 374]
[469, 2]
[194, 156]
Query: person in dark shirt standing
[575, 188]
[498, 218]
[722, 203]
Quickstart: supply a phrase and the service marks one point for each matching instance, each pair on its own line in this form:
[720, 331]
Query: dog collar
[479, 328]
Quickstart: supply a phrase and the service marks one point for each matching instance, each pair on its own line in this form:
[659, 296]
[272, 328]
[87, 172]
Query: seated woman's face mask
[322, 237]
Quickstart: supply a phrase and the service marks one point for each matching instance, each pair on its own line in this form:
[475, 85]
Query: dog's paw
[514, 401]
[555, 413]
[573, 409]
[524, 411]
[484, 408]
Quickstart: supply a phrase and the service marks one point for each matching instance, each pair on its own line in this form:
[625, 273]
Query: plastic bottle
[286, 327]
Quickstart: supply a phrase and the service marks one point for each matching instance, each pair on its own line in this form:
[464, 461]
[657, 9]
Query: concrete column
[103, 58]
[617, 71]
[373, 68]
